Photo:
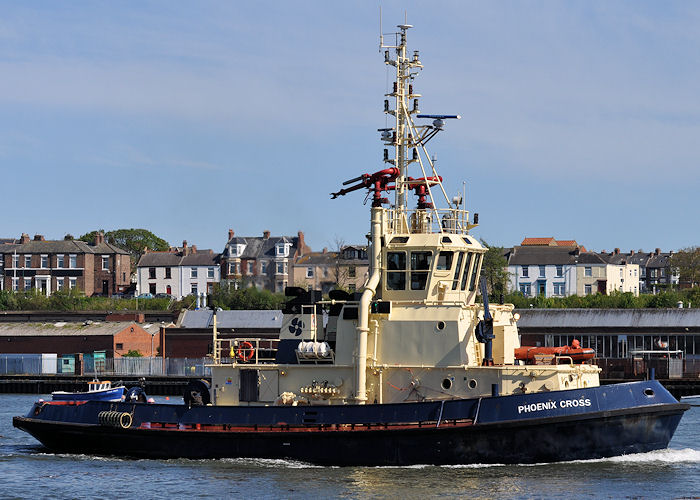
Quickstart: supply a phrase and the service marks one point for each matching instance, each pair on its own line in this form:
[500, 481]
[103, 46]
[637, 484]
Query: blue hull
[544, 427]
[113, 394]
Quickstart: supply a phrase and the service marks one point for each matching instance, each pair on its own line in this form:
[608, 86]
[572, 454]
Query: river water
[29, 471]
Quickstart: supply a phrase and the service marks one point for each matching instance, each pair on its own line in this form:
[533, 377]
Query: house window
[15, 284]
[309, 272]
[526, 273]
[525, 289]
[168, 274]
[621, 272]
[193, 288]
[60, 261]
[72, 283]
[27, 261]
[15, 261]
[27, 283]
[2, 260]
[120, 347]
[210, 273]
[542, 269]
[73, 261]
[352, 271]
[234, 268]
[281, 268]
[559, 289]
[263, 268]
[588, 289]
[151, 273]
[44, 261]
[251, 267]
[281, 249]
[105, 263]
[560, 271]
[59, 284]
[635, 272]
[588, 271]
[193, 272]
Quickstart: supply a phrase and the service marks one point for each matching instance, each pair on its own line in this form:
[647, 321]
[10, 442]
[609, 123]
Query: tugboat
[411, 370]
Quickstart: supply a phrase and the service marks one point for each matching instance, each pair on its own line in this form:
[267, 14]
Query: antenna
[381, 35]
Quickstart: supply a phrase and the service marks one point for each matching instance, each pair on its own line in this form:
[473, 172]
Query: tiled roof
[203, 318]
[167, 259]
[539, 242]
[61, 246]
[533, 255]
[68, 329]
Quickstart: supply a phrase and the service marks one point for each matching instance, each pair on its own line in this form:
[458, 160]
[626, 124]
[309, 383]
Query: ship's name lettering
[553, 405]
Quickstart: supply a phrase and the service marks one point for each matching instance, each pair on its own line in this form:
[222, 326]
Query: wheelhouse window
[396, 270]
[444, 262]
[475, 273]
[458, 268]
[420, 265]
[465, 273]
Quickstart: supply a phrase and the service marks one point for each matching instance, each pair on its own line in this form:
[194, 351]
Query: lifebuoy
[245, 351]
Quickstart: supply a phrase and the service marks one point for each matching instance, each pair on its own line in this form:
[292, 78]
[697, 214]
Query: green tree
[133, 241]
[226, 296]
[686, 263]
[495, 270]
[133, 354]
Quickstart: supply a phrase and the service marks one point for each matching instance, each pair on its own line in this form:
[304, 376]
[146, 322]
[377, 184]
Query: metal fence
[31, 364]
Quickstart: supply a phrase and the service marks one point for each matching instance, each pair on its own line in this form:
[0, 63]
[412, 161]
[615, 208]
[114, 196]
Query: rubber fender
[197, 393]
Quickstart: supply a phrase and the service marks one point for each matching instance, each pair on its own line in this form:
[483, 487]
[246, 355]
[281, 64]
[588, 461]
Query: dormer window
[237, 250]
[281, 249]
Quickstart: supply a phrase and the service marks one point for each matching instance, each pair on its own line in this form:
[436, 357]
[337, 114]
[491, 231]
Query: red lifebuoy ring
[245, 351]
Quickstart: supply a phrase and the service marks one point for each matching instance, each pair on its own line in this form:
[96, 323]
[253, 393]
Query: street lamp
[150, 371]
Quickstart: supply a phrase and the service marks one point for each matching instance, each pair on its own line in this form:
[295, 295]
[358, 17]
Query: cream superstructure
[411, 332]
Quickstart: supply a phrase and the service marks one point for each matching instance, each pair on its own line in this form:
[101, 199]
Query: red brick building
[48, 266]
[115, 338]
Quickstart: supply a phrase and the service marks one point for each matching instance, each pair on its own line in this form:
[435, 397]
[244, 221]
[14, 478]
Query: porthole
[440, 326]
[472, 384]
[447, 384]
[649, 392]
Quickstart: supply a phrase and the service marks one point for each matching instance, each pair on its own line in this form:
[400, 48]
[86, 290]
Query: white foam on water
[273, 463]
[667, 456]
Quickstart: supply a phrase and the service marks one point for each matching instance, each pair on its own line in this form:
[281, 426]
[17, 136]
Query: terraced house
[50, 265]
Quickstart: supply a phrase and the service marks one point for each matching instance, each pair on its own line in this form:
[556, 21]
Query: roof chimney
[657, 251]
[39, 237]
[266, 234]
[184, 247]
[194, 248]
[301, 244]
[99, 238]
[230, 234]
[325, 249]
[631, 252]
[24, 239]
[617, 251]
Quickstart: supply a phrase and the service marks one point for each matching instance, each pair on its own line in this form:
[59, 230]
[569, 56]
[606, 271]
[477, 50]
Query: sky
[580, 120]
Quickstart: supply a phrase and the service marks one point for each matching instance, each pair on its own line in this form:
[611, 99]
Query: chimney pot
[24, 238]
[657, 251]
[325, 249]
[266, 234]
[617, 251]
[230, 234]
[631, 252]
[194, 248]
[39, 237]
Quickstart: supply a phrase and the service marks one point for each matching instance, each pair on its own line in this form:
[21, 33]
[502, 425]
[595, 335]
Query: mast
[401, 137]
